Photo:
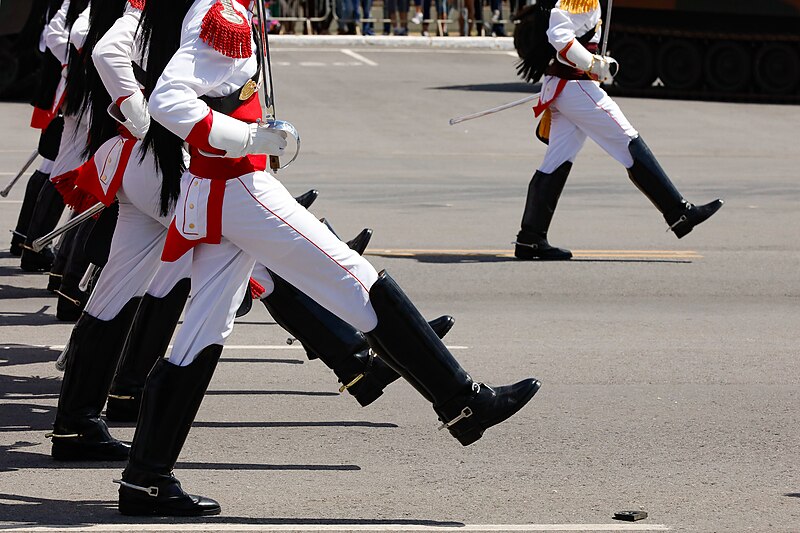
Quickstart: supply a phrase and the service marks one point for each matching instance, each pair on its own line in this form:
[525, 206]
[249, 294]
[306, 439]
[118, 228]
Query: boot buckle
[525, 244]
[120, 397]
[353, 382]
[680, 221]
[465, 413]
[150, 491]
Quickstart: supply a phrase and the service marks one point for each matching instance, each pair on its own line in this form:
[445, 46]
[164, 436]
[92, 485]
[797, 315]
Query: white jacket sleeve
[77, 35]
[56, 36]
[114, 54]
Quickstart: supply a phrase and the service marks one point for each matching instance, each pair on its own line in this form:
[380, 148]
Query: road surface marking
[400, 526]
[359, 57]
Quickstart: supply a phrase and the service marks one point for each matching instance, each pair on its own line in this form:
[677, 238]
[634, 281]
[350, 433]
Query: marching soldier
[560, 40]
[101, 334]
[63, 36]
[231, 212]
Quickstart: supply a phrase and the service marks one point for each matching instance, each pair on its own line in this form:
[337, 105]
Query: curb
[360, 41]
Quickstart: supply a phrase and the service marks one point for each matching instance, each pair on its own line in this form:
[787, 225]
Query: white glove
[603, 69]
[599, 68]
[264, 140]
[238, 139]
[133, 114]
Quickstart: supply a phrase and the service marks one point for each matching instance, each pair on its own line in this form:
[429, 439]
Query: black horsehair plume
[159, 34]
[530, 40]
[95, 98]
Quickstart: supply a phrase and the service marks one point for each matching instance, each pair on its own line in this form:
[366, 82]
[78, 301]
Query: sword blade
[44, 240]
[28, 163]
[515, 103]
[607, 28]
[268, 107]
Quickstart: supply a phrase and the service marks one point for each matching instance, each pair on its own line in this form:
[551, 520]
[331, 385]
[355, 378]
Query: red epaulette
[137, 4]
[227, 31]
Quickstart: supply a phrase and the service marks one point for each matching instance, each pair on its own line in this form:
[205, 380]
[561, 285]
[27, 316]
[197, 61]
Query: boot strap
[67, 436]
[527, 245]
[150, 491]
[679, 221]
[465, 413]
[360, 376]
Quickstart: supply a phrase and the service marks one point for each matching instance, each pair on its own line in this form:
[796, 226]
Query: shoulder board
[137, 4]
[227, 31]
[579, 6]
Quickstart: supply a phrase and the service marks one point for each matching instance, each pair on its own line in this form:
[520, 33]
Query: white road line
[217, 526]
[294, 346]
[359, 57]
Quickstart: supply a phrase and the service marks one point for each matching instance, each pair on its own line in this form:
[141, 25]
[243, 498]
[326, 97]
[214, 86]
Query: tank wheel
[777, 68]
[680, 64]
[728, 67]
[636, 60]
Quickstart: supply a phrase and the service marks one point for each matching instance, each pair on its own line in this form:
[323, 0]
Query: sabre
[43, 241]
[607, 28]
[28, 163]
[268, 108]
[454, 121]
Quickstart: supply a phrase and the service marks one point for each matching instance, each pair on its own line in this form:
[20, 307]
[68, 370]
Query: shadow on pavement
[257, 360]
[346, 424]
[10, 292]
[269, 393]
[514, 87]
[450, 259]
[22, 354]
[36, 511]
[13, 459]
[37, 318]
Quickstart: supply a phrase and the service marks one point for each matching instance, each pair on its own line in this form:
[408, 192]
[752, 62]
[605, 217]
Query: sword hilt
[274, 163]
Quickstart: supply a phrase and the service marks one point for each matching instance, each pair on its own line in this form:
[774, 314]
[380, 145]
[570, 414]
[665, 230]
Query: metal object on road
[28, 163]
[630, 516]
[43, 241]
[454, 121]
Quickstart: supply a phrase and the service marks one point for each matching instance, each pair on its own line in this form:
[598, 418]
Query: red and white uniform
[58, 39]
[234, 212]
[580, 107]
[117, 171]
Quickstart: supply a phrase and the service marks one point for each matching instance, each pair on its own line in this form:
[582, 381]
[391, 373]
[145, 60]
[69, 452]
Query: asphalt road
[669, 368]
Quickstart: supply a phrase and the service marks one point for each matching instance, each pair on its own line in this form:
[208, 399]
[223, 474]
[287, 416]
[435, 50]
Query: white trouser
[584, 109]
[73, 143]
[262, 222]
[136, 246]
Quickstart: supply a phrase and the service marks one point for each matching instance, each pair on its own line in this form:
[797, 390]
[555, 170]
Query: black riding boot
[48, 209]
[333, 341]
[544, 191]
[94, 348]
[35, 183]
[71, 299]
[147, 342]
[172, 396]
[407, 343]
[650, 178]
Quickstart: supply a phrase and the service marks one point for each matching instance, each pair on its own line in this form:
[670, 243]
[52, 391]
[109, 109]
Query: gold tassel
[543, 129]
[579, 6]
